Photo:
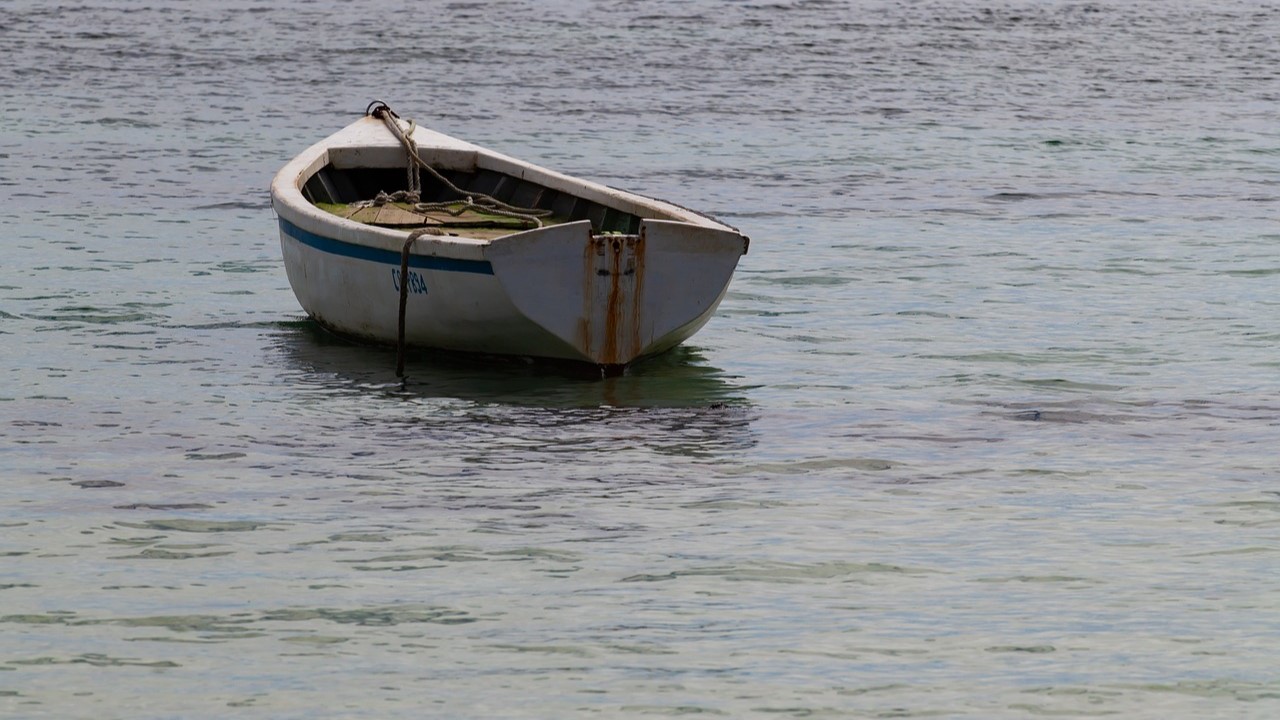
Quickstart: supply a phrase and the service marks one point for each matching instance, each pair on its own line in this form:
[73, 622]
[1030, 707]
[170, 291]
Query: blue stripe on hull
[378, 255]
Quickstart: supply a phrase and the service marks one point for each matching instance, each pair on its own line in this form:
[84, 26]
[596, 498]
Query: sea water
[987, 425]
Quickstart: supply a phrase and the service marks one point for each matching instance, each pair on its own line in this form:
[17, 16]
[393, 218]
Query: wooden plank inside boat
[389, 216]
[468, 220]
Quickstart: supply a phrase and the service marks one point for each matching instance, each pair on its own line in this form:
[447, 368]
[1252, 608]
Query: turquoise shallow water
[985, 427]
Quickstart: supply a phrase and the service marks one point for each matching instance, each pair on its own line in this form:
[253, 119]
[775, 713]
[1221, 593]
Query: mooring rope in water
[482, 202]
[404, 293]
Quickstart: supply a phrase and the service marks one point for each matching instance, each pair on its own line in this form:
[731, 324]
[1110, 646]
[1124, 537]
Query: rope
[404, 293]
[411, 149]
[383, 197]
[485, 203]
[469, 203]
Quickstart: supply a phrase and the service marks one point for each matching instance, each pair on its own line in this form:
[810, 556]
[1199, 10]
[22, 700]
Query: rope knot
[378, 109]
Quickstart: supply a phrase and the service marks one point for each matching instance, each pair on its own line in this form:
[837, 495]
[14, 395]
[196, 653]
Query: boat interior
[348, 192]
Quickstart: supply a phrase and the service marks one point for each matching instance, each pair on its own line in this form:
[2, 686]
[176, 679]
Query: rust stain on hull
[613, 292]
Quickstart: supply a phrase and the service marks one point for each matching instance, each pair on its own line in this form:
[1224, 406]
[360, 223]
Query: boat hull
[564, 292]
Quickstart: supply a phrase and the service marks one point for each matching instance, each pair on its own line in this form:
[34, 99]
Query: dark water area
[985, 427]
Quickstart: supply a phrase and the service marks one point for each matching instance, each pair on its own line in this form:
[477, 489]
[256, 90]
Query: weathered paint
[611, 330]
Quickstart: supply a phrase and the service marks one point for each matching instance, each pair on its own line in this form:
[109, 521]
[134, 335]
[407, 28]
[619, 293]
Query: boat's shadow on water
[680, 378]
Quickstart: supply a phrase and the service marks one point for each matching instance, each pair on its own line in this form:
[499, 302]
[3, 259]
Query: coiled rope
[474, 200]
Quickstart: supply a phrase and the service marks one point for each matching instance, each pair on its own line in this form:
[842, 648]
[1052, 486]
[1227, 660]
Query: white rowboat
[554, 267]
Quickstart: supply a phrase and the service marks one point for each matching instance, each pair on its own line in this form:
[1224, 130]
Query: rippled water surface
[987, 425]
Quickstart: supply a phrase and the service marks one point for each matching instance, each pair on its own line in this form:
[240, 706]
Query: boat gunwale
[366, 143]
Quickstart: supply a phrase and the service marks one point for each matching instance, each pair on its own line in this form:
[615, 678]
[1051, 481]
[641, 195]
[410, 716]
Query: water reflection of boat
[680, 378]
[674, 404]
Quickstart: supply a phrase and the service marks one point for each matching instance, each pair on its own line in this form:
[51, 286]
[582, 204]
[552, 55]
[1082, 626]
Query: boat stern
[617, 297]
